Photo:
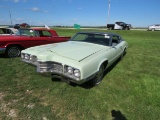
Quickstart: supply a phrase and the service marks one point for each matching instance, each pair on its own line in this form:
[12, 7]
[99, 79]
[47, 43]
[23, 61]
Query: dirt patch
[1, 96]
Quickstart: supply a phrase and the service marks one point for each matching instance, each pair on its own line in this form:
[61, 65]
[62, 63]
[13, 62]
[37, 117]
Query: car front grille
[49, 67]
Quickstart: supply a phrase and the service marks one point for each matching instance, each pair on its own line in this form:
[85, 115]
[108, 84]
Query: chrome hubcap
[13, 52]
[100, 74]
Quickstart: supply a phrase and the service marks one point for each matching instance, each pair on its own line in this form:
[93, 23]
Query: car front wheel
[12, 51]
[153, 29]
[99, 76]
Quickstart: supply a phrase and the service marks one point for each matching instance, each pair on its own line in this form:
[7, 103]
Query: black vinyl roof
[99, 33]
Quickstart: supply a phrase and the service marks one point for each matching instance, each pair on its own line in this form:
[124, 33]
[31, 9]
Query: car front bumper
[68, 80]
[2, 50]
[56, 71]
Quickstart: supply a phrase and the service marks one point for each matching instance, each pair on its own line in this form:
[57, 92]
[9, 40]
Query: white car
[7, 31]
[84, 57]
[154, 27]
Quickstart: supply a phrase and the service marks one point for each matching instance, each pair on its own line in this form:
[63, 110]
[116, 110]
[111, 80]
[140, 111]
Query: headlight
[27, 56]
[72, 72]
[33, 58]
[77, 73]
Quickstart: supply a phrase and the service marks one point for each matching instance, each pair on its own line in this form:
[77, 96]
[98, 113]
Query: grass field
[130, 90]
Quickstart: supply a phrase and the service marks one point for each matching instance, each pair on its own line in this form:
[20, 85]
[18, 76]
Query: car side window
[2, 31]
[115, 40]
[6, 31]
[45, 34]
[120, 23]
[102, 39]
[10, 31]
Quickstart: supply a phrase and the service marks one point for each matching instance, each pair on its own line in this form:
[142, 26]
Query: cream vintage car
[7, 31]
[83, 58]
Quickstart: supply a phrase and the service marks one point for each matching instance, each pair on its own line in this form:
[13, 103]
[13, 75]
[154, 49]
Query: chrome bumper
[2, 50]
[68, 80]
[56, 72]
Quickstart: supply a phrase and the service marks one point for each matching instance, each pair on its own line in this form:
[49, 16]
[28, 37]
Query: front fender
[14, 43]
[91, 66]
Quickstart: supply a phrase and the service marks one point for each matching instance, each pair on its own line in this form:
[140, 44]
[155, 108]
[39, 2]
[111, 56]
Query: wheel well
[105, 63]
[17, 45]
[124, 51]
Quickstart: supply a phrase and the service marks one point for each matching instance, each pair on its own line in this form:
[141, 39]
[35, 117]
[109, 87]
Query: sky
[139, 13]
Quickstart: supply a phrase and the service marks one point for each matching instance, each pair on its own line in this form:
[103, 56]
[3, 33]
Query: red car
[24, 25]
[11, 45]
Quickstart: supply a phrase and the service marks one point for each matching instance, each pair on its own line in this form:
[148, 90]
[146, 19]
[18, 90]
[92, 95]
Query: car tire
[127, 28]
[99, 76]
[152, 29]
[13, 51]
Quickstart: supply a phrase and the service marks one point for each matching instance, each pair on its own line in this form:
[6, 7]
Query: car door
[117, 48]
[36, 38]
[45, 36]
[118, 25]
[158, 27]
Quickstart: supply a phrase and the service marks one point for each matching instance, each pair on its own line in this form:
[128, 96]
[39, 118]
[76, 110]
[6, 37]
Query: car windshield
[100, 39]
[26, 32]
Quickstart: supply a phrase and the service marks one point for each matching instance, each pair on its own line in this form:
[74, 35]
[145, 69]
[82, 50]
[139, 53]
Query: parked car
[17, 26]
[119, 26]
[154, 27]
[83, 58]
[7, 31]
[12, 45]
[24, 25]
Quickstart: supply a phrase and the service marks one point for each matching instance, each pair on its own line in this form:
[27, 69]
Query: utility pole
[10, 16]
[108, 11]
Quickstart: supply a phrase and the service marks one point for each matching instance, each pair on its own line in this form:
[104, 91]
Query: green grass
[131, 87]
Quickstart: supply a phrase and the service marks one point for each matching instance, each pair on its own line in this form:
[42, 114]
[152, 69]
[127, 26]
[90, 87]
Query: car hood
[72, 50]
